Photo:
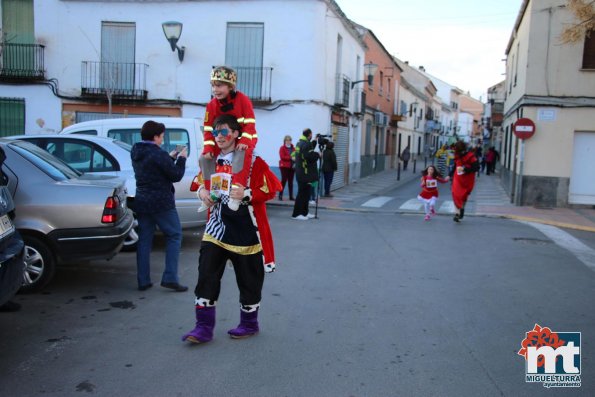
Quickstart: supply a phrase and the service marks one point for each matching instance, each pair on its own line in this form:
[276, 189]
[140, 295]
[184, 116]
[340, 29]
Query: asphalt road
[362, 304]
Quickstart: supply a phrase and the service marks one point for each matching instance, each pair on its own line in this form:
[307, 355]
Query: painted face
[220, 90]
[224, 136]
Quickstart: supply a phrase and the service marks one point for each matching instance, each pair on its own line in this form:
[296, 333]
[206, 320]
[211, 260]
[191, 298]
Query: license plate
[6, 226]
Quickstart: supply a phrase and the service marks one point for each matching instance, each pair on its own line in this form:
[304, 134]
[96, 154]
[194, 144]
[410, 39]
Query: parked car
[63, 215]
[12, 248]
[178, 131]
[110, 156]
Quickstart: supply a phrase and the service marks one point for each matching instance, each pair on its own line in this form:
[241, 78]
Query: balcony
[21, 62]
[359, 106]
[395, 118]
[255, 82]
[126, 81]
[342, 88]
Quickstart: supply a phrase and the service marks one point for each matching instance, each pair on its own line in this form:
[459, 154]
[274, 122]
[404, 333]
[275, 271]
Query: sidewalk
[488, 198]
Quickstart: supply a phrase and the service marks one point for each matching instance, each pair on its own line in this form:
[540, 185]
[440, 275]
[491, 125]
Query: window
[589, 51]
[381, 88]
[172, 137]
[12, 116]
[244, 45]
[117, 55]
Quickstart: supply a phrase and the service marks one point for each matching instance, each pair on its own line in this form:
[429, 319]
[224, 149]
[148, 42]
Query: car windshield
[51, 165]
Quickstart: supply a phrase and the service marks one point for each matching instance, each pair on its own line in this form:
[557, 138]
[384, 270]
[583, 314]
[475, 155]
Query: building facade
[553, 85]
[66, 61]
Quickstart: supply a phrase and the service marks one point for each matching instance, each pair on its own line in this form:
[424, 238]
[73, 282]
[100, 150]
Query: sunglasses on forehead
[222, 131]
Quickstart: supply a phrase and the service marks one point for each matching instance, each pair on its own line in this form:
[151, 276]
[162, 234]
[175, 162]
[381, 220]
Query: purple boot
[205, 322]
[248, 325]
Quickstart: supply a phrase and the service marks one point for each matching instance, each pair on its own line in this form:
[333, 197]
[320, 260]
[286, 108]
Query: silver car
[62, 214]
[109, 156]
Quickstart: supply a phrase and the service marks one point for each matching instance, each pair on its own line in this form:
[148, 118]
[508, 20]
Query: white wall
[300, 39]
[42, 108]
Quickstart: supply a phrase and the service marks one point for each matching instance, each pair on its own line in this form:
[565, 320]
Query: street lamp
[172, 31]
[369, 70]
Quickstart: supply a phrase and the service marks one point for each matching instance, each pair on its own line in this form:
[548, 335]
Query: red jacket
[239, 106]
[285, 156]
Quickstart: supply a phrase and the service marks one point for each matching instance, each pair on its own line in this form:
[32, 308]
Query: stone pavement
[488, 199]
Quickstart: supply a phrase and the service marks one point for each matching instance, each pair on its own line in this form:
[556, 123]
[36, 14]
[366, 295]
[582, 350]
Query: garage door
[582, 188]
[340, 136]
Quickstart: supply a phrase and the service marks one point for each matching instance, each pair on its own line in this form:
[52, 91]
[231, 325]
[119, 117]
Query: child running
[429, 189]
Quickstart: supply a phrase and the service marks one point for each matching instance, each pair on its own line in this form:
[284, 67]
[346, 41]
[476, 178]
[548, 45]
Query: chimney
[422, 68]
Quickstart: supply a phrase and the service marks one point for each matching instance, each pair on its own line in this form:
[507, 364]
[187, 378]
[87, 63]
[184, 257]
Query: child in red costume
[242, 236]
[227, 100]
[463, 181]
[429, 189]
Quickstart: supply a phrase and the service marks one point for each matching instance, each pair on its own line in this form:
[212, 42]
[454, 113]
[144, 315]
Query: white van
[178, 131]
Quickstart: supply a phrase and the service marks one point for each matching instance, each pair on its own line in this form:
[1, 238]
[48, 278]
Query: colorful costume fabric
[236, 231]
[463, 178]
[239, 106]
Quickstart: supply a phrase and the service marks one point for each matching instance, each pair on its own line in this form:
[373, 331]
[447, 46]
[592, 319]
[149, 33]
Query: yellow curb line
[552, 223]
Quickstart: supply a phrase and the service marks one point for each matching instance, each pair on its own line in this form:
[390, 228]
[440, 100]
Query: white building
[295, 59]
[553, 85]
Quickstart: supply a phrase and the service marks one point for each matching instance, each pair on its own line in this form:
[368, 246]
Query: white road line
[583, 252]
[412, 205]
[377, 202]
[448, 206]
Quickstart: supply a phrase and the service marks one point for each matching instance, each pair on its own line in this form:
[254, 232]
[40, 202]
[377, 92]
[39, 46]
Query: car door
[83, 156]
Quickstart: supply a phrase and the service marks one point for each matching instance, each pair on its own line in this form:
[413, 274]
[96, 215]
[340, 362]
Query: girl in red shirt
[429, 189]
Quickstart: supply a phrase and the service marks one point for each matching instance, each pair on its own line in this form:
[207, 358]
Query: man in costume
[463, 180]
[242, 236]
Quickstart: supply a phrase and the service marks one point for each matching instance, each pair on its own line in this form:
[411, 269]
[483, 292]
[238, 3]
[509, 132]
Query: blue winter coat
[155, 172]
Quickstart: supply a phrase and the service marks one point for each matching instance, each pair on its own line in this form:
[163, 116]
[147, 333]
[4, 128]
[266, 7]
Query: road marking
[377, 202]
[411, 205]
[565, 240]
[448, 206]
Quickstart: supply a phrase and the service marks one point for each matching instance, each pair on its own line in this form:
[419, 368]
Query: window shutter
[589, 51]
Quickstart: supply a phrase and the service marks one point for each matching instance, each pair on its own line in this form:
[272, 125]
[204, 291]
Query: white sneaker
[233, 204]
[312, 202]
[300, 218]
[310, 216]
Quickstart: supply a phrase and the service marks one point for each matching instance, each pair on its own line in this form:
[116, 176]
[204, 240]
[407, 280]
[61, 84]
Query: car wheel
[132, 239]
[40, 265]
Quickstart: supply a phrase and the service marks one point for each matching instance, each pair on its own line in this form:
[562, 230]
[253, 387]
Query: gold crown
[225, 75]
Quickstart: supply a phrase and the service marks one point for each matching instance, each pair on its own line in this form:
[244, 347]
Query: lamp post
[369, 70]
[172, 31]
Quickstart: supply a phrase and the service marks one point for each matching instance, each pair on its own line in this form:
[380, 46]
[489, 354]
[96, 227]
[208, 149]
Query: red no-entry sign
[524, 128]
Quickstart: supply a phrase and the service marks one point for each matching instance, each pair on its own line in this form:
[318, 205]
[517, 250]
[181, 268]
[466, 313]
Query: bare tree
[584, 12]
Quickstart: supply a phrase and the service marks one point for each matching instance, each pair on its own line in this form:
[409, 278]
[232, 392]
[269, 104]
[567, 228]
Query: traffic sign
[524, 128]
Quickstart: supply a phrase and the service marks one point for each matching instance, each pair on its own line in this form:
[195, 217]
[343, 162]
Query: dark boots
[205, 323]
[248, 325]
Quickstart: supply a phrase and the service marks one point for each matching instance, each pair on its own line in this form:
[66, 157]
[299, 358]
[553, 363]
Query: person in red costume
[429, 189]
[463, 180]
[227, 100]
[242, 236]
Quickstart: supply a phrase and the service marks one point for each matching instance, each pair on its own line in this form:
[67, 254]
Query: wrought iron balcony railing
[121, 80]
[255, 82]
[21, 61]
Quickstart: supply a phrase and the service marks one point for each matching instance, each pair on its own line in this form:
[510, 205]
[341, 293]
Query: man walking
[405, 156]
[305, 173]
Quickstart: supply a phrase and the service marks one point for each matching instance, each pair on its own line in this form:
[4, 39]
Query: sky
[461, 42]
